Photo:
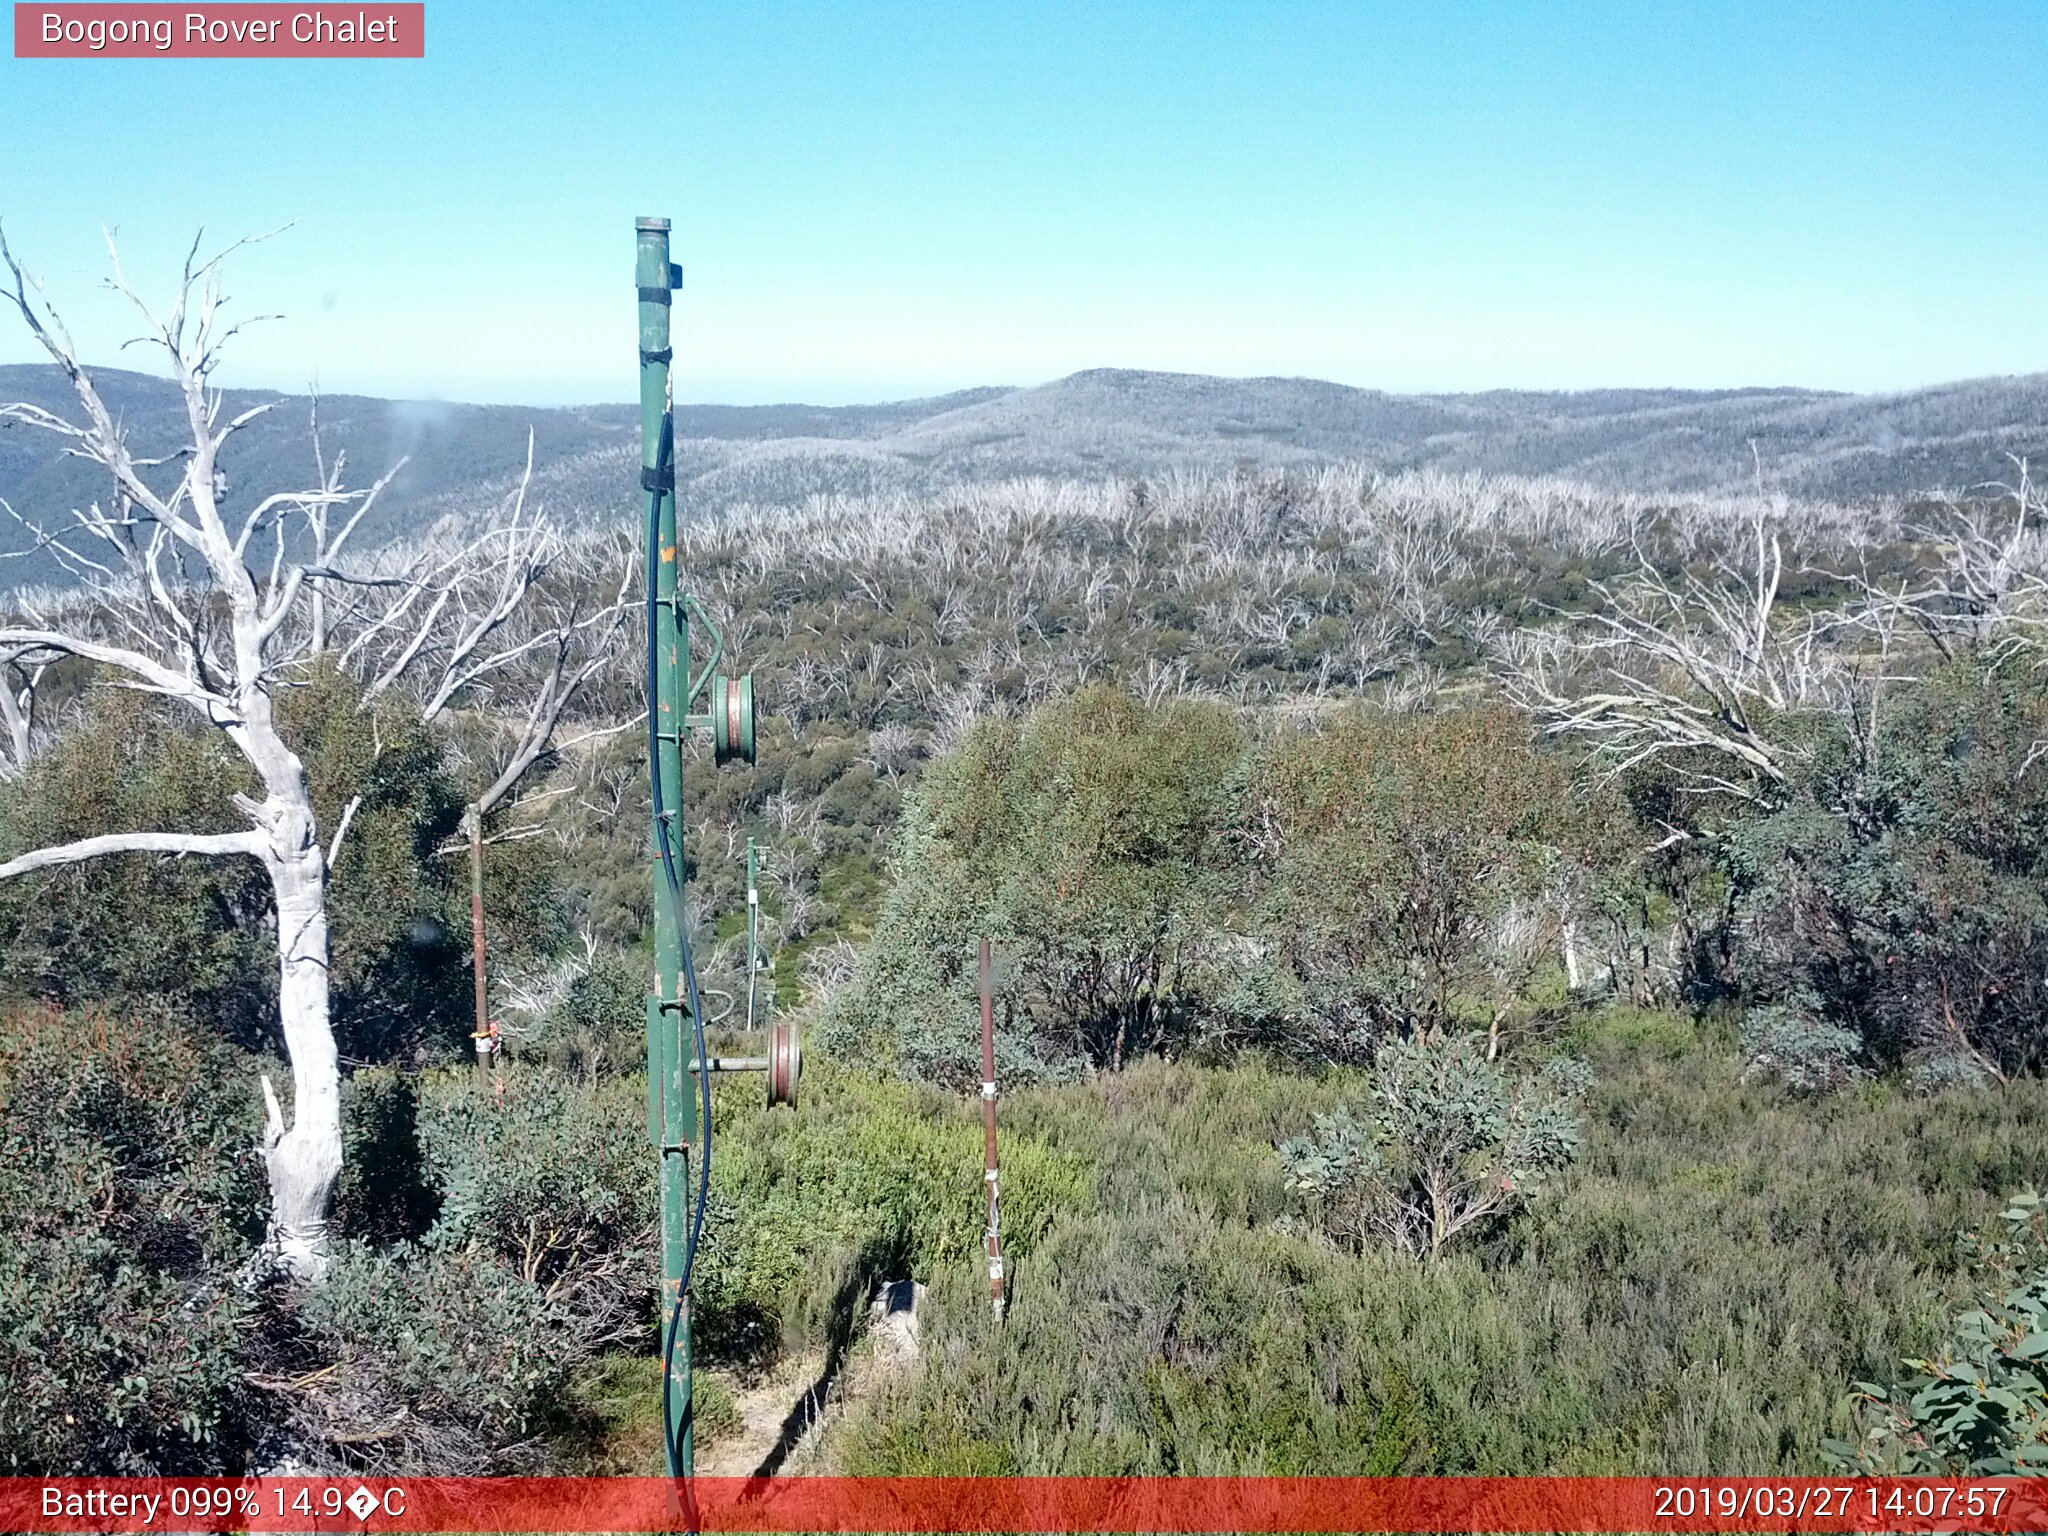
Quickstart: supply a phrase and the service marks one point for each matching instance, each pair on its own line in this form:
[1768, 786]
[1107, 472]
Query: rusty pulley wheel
[785, 1065]
[732, 718]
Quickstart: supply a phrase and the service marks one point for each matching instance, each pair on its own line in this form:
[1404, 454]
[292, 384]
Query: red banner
[1104, 1504]
[232, 31]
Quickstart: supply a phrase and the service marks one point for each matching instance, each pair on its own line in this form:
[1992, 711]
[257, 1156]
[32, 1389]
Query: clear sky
[883, 199]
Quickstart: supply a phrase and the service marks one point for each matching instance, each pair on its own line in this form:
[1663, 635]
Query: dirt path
[777, 1413]
[787, 1417]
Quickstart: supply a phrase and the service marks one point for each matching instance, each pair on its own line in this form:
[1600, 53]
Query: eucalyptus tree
[180, 594]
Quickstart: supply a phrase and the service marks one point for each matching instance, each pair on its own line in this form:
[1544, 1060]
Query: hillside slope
[1103, 422]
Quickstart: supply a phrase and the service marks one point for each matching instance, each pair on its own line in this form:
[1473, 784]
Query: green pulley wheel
[732, 718]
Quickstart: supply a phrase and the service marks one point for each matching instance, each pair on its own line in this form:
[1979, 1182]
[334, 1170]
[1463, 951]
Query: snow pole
[753, 932]
[992, 1238]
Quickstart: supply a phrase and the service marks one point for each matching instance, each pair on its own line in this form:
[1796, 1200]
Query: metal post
[486, 1047]
[753, 932]
[672, 1105]
[993, 1237]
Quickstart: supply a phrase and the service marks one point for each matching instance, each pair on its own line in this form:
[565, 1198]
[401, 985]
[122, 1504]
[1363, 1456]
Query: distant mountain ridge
[1103, 422]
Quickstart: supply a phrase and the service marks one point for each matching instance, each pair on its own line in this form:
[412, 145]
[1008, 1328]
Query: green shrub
[1412, 873]
[1902, 886]
[129, 1195]
[714, 1411]
[114, 1369]
[451, 1352]
[554, 1178]
[383, 1196]
[1797, 1045]
[594, 1021]
[1149, 883]
[436, 1361]
[1078, 841]
[1147, 1342]
[1451, 1142]
[1978, 1407]
[136, 931]
[1687, 1299]
[870, 1178]
[192, 934]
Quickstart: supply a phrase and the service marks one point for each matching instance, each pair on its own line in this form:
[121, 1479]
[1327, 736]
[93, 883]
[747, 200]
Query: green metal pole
[672, 1106]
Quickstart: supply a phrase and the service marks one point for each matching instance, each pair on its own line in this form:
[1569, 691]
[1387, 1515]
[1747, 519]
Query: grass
[610, 1423]
[1695, 1297]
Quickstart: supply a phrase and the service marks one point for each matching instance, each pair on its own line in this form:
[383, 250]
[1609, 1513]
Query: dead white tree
[1989, 592]
[21, 672]
[1687, 668]
[183, 607]
[178, 597]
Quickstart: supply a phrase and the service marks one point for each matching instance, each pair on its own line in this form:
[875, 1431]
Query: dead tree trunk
[176, 602]
[304, 1160]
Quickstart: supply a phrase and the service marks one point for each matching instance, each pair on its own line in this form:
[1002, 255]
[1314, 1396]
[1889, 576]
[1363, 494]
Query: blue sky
[882, 199]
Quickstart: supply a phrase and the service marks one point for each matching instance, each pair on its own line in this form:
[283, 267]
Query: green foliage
[590, 1016]
[1796, 1044]
[451, 1350]
[1411, 870]
[128, 1197]
[1077, 842]
[384, 1196]
[1901, 889]
[1106, 812]
[714, 1411]
[1687, 1299]
[1164, 1325]
[398, 898]
[554, 1178]
[611, 1422]
[1176, 880]
[394, 906]
[870, 1177]
[437, 1360]
[1151, 882]
[193, 935]
[921, 1447]
[1979, 1406]
[135, 931]
[1452, 1141]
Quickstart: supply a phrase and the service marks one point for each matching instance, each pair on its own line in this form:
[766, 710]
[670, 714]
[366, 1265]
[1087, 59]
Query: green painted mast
[678, 1087]
[672, 1101]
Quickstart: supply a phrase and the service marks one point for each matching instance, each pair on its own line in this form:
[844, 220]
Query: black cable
[664, 465]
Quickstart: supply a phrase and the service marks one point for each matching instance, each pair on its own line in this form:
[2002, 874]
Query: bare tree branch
[171, 606]
[181, 843]
[1686, 669]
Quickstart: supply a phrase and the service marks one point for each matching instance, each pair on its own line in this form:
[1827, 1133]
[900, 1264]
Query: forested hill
[1089, 425]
